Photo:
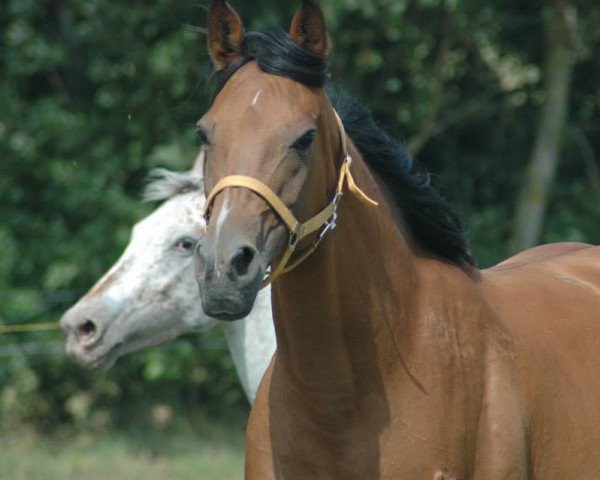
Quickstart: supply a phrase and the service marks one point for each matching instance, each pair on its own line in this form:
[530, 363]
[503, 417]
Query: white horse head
[150, 295]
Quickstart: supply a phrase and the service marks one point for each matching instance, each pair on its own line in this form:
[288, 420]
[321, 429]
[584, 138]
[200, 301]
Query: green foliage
[94, 94]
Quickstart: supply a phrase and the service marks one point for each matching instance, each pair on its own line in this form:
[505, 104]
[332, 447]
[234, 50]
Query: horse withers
[149, 296]
[397, 358]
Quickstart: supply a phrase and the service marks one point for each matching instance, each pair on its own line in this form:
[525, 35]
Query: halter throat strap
[324, 221]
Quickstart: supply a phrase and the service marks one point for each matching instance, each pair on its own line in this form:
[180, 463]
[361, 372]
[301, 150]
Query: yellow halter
[325, 220]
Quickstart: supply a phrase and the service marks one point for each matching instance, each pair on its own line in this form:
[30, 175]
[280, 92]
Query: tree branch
[458, 115]
[543, 163]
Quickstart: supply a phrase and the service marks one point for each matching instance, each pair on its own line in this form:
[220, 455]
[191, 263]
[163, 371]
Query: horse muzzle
[228, 282]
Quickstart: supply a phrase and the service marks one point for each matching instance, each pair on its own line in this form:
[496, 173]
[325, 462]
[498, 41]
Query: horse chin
[230, 317]
[107, 361]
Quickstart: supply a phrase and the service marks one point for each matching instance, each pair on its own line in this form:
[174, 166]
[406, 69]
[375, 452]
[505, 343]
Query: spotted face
[149, 295]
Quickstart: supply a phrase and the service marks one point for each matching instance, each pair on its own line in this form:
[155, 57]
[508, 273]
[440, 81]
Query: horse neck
[334, 313]
[252, 343]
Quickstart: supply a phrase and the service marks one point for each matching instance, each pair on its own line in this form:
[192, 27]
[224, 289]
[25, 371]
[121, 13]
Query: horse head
[266, 134]
[147, 297]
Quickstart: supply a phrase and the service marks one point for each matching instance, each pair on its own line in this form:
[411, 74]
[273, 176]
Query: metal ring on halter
[328, 227]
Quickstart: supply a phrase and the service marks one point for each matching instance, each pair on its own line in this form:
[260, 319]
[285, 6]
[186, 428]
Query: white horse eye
[185, 244]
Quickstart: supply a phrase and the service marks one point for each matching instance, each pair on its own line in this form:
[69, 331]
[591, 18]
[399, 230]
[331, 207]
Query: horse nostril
[242, 260]
[87, 329]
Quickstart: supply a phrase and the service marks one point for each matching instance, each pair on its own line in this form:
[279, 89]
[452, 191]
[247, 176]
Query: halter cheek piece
[324, 221]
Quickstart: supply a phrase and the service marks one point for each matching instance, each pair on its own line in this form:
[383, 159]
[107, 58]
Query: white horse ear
[308, 29]
[225, 34]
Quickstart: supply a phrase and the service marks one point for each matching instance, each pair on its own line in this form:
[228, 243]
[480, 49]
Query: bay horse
[148, 296]
[397, 358]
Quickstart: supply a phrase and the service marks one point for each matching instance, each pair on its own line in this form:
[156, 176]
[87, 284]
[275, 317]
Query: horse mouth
[107, 360]
[226, 303]
[226, 311]
[92, 360]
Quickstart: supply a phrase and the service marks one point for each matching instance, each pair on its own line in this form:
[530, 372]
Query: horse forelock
[165, 184]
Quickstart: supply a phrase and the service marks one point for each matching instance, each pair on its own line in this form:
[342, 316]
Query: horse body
[484, 375]
[397, 358]
[149, 296]
[407, 376]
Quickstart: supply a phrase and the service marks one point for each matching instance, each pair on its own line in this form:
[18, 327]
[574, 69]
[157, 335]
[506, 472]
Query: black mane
[433, 222]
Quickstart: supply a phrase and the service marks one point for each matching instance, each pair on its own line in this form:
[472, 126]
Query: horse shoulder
[472, 401]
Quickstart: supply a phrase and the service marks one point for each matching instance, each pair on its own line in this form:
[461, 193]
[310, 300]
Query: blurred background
[500, 100]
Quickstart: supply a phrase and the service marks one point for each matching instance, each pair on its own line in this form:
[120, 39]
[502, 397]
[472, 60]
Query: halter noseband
[325, 220]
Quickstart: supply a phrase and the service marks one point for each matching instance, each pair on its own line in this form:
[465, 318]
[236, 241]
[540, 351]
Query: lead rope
[31, 327]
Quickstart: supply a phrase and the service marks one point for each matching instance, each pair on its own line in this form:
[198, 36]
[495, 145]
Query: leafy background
[94, 94]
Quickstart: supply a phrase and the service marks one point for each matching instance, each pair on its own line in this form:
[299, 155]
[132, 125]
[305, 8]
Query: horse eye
[305, 141]
[203, 137]
[185, 245]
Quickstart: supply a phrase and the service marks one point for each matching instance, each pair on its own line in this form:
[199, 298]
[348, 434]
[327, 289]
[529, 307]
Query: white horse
[150, 295]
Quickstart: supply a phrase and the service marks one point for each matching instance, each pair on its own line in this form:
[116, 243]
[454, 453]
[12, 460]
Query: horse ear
[308, 29]
[225, 34]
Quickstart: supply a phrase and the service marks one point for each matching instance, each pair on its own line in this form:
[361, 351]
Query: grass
[211, 451]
